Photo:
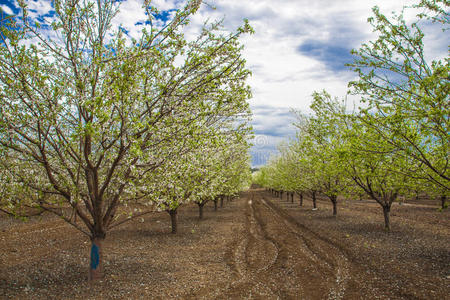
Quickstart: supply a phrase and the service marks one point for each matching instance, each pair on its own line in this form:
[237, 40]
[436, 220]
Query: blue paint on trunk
[95, 256]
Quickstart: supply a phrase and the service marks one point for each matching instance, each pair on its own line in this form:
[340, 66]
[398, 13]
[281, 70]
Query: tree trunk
[292, 197]
[96, 265]
[221, 201]
[300, 196]
[174, 220]
[334, 201]
[215, 204]
[314, 199]
[200, 210]
[443, 199]
[386, 212]
[281, 195]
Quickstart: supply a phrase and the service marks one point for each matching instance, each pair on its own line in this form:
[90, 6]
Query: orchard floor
[255, 247]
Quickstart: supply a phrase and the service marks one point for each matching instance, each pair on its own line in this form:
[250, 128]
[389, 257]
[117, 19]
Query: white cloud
[39, 8]
[130, 13]
[281, 75]
[165, 4]
[272, 125]
[7, 9]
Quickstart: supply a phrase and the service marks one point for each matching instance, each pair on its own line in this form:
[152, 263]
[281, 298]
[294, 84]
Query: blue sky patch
[333, 56]
[164, 16]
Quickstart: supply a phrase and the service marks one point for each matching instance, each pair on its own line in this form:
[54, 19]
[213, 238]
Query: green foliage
[89, 116]
[313, 161]
[406, 95]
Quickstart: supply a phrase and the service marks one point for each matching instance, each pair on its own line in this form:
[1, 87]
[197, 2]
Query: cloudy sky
[300, 46]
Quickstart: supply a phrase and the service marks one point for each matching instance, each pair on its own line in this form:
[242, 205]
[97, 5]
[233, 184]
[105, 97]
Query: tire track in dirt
[260, 246]
[330, 261]
[253, 254]
[274, 258]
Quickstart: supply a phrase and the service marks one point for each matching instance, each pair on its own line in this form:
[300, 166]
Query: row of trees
[98, 128]
[396, 143]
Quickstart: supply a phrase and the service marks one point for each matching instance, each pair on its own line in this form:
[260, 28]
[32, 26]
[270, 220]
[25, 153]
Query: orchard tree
[208, 145]
[406, 94]
[307, 158]
[222, 173]
[85, 109]
[11, 202]
[298, 167]
[279, 175]
[275, 172]
[325, 129]
[235, 169]
[349, 151]
[171, 186]
[373, 165]
[292, 171]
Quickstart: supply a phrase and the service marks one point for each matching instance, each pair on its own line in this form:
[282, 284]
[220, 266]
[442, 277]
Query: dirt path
[274, 258]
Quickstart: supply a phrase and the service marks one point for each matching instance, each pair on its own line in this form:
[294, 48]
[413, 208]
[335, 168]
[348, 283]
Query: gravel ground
[48, 259]
[410, 262]
[256, 247]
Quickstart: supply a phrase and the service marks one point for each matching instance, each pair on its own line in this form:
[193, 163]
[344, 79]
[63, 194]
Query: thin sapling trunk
[200, 209]
[443, 200]
[174, 220]
[386, 213]
[314, 199]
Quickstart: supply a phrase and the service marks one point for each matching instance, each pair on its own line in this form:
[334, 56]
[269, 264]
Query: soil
[255, 247]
